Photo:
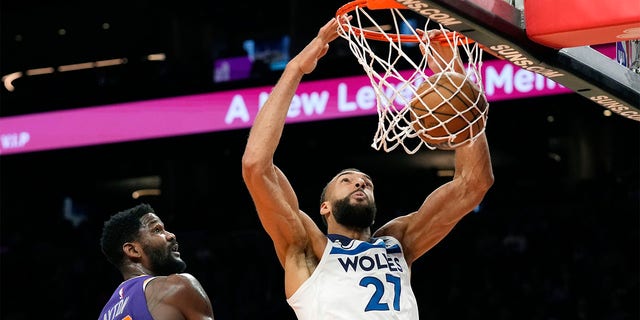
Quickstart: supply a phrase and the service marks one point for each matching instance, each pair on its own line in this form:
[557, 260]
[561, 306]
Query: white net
[432, 99]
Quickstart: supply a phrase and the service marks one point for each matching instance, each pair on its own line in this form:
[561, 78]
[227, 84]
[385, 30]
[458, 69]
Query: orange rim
[380, 36]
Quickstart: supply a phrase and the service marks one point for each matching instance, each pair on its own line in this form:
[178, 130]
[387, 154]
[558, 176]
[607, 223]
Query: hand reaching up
[440, 57]
[308, 58]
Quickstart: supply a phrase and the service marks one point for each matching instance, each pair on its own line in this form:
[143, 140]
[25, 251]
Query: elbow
[482, 184]
[253, 166]
[477, 186]
[487, 181]
[474, 192]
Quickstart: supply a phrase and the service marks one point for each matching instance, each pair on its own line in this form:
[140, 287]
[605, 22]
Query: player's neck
[135, 270]
[363, 234]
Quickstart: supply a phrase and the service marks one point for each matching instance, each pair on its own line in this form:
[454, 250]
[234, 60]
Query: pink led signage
[228, 110]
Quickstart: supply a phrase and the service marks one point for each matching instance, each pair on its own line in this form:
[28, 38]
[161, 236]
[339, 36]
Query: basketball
[444, 109]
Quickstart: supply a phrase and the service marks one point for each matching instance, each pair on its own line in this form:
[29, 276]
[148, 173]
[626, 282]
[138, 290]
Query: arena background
[555, 238]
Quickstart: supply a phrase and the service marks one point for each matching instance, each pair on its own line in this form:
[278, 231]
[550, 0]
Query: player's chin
[361, 203]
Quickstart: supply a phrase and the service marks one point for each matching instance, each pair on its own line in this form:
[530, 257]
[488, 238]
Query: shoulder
[179, 293]
[177, 283]
[183, 279]
[395, 228]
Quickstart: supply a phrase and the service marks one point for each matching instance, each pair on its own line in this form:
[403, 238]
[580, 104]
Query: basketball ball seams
[427, 110]
[459, 93]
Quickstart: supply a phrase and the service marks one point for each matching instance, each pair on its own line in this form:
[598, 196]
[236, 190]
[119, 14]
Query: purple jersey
[128, 301]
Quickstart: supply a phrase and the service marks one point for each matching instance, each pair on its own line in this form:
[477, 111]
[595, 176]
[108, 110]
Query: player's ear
[325, 208]
[132, 249]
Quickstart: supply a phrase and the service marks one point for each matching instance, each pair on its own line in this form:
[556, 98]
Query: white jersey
[358, 280]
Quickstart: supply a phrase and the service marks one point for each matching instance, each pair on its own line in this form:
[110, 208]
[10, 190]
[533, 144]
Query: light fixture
[145, 192]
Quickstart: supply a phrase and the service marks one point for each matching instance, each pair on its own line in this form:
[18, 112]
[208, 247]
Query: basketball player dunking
[350, 272]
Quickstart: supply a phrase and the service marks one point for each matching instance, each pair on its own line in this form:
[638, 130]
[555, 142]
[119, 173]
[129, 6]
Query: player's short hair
[122, 227]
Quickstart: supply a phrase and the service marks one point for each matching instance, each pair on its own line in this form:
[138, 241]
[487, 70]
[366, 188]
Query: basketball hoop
[382, 36]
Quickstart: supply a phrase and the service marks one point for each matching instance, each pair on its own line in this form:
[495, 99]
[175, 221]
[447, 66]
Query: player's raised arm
[273, 196]
[445, 206]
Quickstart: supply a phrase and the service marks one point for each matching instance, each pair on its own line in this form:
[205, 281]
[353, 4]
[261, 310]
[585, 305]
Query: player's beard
[163, 262]
[358, 216]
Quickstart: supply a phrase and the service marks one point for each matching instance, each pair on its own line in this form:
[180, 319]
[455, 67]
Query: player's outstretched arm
[273, 196]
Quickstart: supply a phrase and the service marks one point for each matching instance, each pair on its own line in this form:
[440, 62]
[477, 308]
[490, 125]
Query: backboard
[501, 27]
